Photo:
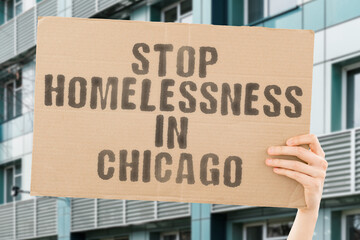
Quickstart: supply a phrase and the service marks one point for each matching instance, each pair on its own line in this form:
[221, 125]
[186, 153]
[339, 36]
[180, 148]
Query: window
[178, 12]
[254, 232]
[277, 229]
[258, 9]
[12, 8]
[18, 7]
[12, 98]
[64, 8]
[350, 225]
[352, 101]
[9, 10]
[12, 177]
[181, 235]
[353, 227]
[112, 238]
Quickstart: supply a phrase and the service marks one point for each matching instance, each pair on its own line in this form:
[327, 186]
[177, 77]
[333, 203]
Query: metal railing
[342, 151]
[37, 217]
[19, 34]
[28, 219]
[89, 214]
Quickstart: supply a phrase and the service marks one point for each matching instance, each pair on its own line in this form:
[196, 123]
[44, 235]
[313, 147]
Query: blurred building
[335, 117]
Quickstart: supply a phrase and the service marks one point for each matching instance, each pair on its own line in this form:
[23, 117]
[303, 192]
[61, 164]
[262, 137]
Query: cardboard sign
[168, 112]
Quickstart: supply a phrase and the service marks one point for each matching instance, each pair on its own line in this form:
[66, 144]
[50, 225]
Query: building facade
[335, 117]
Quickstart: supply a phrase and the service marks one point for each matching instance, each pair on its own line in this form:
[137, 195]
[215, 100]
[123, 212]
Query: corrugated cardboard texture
[77, 145]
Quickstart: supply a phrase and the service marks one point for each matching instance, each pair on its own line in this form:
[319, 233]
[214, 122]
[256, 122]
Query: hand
[310, 173]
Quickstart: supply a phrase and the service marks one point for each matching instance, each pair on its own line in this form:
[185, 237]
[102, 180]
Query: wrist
[309, 213]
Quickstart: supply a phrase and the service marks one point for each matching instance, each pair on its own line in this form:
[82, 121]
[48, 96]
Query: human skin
[310, 174]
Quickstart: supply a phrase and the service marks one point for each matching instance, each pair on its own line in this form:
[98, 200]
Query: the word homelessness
[97, 92]
[186, 95]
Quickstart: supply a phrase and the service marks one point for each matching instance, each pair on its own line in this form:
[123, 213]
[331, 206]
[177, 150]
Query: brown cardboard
[70, 139]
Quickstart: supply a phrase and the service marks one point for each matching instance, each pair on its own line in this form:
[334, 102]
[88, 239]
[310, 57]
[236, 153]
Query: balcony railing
[37, 217]
[28, 219]
[19, 34]
[342, 151]
[89, 214]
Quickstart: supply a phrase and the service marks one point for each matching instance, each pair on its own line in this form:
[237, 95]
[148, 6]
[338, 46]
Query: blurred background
[335, 118]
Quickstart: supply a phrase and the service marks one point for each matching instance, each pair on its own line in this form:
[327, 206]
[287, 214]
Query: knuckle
[322, 174]
[324, 164]
[322, 153]
[313, 137]
[299, 151]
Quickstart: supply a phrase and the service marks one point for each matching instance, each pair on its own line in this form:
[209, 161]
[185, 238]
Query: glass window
[169, 236]
[9, 183]
[113, 238]
[353, 227]
[178, 12]
[13, 98]
[279, 6]
[185, 235]
[278, 229]
[12, 176]
[185, 7]
[9, 9]
[2, 12]
[9, 100]
[314, 15]
[260, 9]
[353, 99]
[181, 235]
[171, 15]
[18, 9]
[340, 11]
[254, 232]
[255, 10]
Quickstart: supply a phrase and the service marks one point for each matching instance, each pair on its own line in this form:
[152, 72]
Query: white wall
[27, 4]
[317, 100]
[335, 44]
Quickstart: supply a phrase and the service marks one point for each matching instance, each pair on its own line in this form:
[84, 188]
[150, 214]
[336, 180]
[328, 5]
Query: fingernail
[268, 160]
[276, 169]
[289, 142]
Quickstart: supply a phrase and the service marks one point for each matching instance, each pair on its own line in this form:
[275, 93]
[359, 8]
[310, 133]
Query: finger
[309, 139]
[301, 178]
[296, 166]
[300, 152]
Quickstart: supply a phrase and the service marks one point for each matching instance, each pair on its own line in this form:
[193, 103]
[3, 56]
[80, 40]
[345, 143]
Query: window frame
[344, 214]
[266, 12]
[15, 91]
[263, 224]
[178, 11]
[344, 81]
[15, 4]
[176, 233]
[125, 237]
[13, 166]
[164, 234]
